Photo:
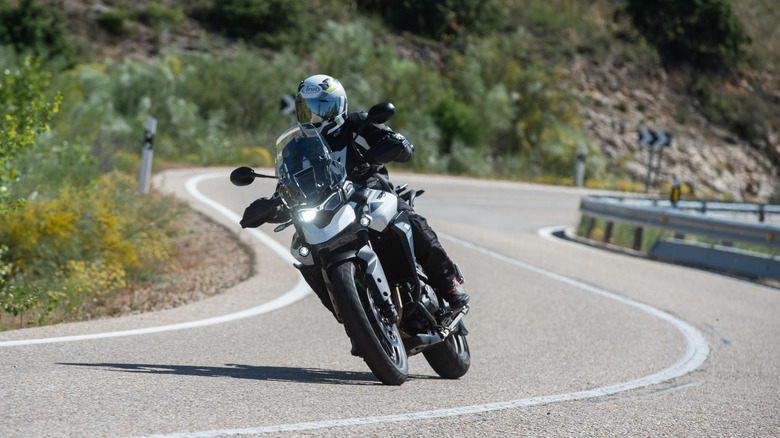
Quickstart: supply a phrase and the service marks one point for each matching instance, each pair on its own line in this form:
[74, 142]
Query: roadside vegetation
[478, 84]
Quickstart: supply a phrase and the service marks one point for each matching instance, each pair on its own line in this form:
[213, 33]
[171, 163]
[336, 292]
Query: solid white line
[696, 353]
[298, 292]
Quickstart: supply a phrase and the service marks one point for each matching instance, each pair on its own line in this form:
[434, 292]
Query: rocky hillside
[617, 99]
[621, 98]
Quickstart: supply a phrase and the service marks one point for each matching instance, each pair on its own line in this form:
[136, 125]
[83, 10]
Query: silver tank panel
[382, 208]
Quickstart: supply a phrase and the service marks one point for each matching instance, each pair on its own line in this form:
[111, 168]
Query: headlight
[307, 215]
[332, 203]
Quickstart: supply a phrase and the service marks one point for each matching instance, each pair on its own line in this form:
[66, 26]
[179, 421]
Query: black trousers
[429, 252]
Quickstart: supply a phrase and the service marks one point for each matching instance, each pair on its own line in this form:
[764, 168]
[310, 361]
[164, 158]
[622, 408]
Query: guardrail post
[638, 235]
[580, 174]
[608, 231]
[590, 223]
[146, 155]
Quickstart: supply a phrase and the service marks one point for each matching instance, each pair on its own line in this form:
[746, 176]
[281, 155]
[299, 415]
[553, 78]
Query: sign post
[654, 140]
[146, 156]
[581, 165]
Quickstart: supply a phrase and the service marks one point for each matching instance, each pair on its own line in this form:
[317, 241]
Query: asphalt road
[566, 340]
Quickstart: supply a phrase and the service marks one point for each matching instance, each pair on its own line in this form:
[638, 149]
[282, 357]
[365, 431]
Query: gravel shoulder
[192, 276]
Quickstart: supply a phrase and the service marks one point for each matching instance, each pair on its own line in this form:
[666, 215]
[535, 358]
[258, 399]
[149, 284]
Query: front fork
[375, 278]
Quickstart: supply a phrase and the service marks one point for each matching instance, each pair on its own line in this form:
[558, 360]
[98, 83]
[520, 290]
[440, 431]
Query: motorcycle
[355, 248]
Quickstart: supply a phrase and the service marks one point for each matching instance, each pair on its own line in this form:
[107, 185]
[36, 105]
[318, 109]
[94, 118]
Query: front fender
[375, 275]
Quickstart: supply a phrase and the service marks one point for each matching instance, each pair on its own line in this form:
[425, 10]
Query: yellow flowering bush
[85, 242]
[82, 281]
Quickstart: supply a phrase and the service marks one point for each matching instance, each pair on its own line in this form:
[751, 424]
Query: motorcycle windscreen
[305, 167]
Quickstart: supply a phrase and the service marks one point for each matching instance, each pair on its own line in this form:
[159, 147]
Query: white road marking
[696, 353]
[298, 292]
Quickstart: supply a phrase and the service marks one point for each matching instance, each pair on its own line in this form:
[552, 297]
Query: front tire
[377, 338]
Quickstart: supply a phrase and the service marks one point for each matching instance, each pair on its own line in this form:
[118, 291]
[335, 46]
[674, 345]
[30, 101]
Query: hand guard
[391, 147]
[264, 210]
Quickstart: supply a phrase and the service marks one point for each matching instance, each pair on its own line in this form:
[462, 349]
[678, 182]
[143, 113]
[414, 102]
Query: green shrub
[114, 21]
[161, 17]
[272, 23]
[746, 113]
[20, 302]
[456, 120]
[705, 34]
[30, 27]
[26, 112]
[206, 113]
[82, 242]
[438, 19]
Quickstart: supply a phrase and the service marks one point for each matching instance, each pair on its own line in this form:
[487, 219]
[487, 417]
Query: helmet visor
[316, 111]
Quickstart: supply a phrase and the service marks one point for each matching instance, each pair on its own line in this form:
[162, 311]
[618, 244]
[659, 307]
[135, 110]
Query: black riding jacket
[377, 143]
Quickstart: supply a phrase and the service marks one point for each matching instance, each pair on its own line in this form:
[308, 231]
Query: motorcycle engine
[428, 298]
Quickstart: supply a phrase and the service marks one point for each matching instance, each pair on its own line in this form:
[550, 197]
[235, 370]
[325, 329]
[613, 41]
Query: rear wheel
[450, 359]
[377, 339]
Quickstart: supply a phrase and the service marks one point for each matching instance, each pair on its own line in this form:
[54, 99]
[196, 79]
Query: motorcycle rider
[322, 101]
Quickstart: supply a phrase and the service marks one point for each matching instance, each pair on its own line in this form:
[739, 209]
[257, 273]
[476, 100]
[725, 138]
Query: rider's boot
[454, 294]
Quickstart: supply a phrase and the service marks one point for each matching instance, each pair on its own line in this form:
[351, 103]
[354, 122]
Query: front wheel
[376, 337]
[450, 359]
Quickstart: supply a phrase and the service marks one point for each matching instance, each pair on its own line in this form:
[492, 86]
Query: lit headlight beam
[309, 214]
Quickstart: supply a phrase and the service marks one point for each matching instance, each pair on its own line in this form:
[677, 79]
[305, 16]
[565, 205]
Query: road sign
[287, 104]
[654, 138]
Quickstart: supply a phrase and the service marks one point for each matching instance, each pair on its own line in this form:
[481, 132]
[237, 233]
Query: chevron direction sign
[654, 138]
[287, 104]
[656, 141]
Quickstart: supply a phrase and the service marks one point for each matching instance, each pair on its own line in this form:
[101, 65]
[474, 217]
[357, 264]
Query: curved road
[565, 340]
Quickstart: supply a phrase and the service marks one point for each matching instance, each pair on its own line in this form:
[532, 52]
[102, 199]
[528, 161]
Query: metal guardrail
[691, 217]
[687, 217]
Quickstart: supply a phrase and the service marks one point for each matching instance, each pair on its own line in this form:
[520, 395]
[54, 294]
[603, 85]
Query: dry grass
[760, 18]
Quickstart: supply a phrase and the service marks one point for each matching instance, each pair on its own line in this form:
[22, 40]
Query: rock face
[619, 98]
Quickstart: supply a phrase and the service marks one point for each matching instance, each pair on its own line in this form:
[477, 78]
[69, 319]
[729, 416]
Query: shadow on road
[236, 371]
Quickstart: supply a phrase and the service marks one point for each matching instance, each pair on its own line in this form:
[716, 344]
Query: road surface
[566, 340]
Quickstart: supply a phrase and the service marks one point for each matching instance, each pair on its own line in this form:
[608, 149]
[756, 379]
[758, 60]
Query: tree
[25, 113]
[438, 19]
[704, 34]
[39, 29]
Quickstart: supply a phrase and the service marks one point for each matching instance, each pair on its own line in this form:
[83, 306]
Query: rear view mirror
[381, 112]
[243, 176]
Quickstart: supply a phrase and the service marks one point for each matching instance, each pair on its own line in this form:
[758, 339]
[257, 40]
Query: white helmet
[321, 101]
